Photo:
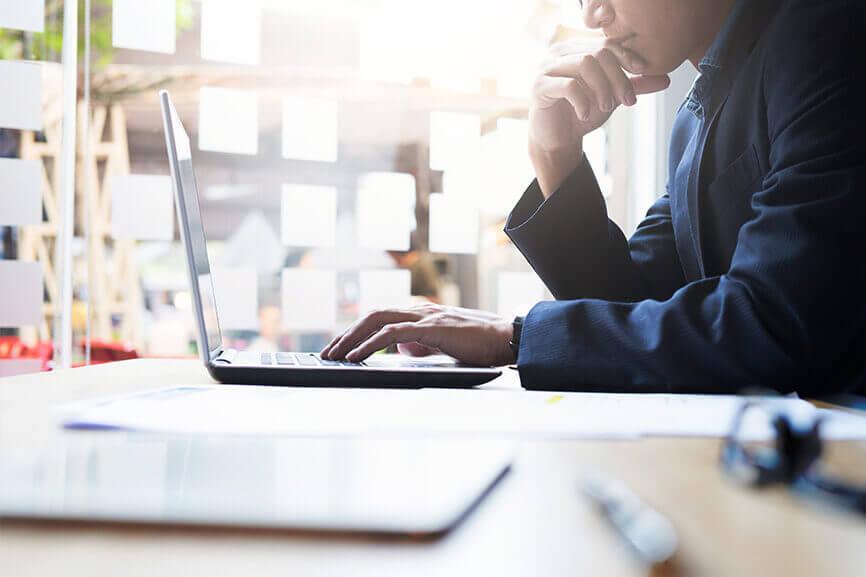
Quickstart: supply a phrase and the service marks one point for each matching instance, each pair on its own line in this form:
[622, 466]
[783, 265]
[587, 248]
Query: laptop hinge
[226, 356]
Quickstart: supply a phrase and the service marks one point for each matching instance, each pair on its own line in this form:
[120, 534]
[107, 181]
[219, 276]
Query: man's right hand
[574, 94]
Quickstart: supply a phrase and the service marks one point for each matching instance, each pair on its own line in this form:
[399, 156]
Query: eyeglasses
[792, 458]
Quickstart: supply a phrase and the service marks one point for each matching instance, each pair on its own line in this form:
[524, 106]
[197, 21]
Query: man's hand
[574, 94]
[473, 337]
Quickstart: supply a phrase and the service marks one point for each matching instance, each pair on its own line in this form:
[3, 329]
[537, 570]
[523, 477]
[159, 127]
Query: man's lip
[620, 40]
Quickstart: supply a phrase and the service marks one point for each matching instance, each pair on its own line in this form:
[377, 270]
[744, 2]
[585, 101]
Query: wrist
[516, 335]
[553, 167]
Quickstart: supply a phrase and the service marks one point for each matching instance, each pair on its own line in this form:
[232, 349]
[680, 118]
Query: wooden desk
[534, 524]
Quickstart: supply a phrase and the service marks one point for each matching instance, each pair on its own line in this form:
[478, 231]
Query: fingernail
[611, 105]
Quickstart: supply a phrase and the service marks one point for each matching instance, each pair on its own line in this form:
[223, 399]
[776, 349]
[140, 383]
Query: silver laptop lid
[192, 231]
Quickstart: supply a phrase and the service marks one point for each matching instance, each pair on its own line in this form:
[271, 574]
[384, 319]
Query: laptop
[227, 365]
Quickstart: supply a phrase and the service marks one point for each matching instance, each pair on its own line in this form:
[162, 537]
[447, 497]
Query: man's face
[664, 33]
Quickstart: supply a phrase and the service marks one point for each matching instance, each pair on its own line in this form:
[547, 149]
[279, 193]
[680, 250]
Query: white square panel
[309, 215]
[309, 300]
[383, 289]
[506, 167]
[454, 225]
[518, 292]
[385, 210]
[20, 192]
[21, 95]
[21, 304]
[144, 25]
[141, 207]
[231, 31]
[455, 139]
[237, 296]
[228, 121]
[23, 15]
[310, 129]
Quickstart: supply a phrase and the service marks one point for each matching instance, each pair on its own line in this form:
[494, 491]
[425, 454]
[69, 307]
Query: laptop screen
[187, 197]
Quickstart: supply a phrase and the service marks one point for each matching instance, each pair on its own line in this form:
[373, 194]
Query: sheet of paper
[26, 15]
[228, 121]
[21, 304]
[237, 297]
[309, 215]
[20, 192]
[454, 225]
[518, 292]
[330, 412]
[15, 367]
[383, 289]
[144, 25]
[309, 300]
[231, 31]
[21, 100]
[455, 139]
[310, 129]
[385, 210]
[141, 207]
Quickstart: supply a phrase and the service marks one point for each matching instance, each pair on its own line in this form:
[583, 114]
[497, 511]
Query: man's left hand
[472, 337]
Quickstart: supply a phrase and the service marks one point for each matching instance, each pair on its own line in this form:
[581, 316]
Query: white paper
[237, 297]
[23, 15]
[384, 289]
[21, 303]
[454, 225]
[309, 300]
[228, 121]
[141, 207]
[309, 215]
[144, 25]
[455, 139]
[328, 412]
[15, 367]
[518, 292]
[21, 97]
[310, 129]
[231, 31]
[20, 192]
[385, 211]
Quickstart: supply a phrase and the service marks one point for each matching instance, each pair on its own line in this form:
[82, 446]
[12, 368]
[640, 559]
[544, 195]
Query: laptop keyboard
[302, 360]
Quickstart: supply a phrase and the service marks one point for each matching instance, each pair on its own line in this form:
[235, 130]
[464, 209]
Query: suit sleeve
[580, 253]
[791, 311]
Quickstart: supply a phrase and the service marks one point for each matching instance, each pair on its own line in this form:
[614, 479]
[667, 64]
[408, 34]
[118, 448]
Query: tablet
[412, 487]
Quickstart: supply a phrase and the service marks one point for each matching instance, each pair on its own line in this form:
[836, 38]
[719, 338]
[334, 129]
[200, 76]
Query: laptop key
[266, 358]
[308, 361]
[285, 359]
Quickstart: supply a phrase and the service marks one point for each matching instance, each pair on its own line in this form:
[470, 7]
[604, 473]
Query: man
[749, 271]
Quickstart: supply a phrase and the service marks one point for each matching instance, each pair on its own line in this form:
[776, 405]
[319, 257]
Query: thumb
[650, 84]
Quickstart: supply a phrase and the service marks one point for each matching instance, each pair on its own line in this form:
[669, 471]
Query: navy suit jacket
[755, 274]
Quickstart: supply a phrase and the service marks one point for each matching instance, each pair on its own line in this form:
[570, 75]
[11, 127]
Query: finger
[622, 88]
[364, 328]
[568, 89]
[628, 59]
[590, 72]
[650, 84]
[392, 334]
[416, 350]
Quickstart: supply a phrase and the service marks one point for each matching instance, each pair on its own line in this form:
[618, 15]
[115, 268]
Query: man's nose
[597, 13]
